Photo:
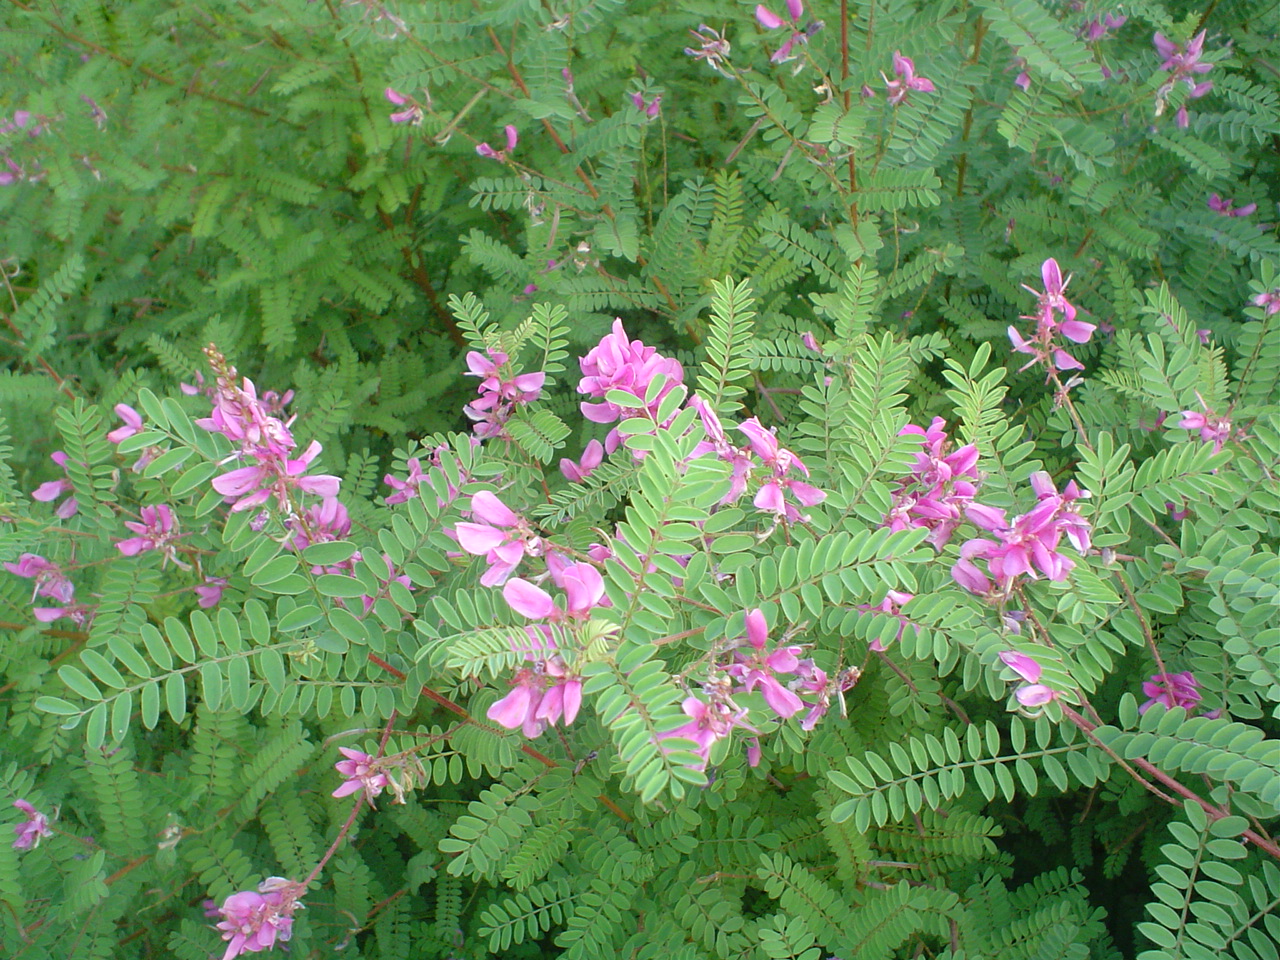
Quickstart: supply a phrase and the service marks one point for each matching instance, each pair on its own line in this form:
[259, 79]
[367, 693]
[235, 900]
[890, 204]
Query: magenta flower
[1171, 690]
[892, 604]
[1024, 666]
[1182, 63]
[708, 723]
[1227, 207]
[717, 443]
[500, 391]
[541, 694]
[584, 591]
[1096, 30]
[362, 772]
[1213, 428]
[780, 461]
[650, 108]
[254, 921]
[512, 139]
[618, 363]
[1034, 695]
[771, 21]
[940, 490]
[54, 489]
[253, 486]
[32, 829]
[209, 593]
[907, 80]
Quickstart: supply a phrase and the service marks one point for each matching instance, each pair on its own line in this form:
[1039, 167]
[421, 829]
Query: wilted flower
[362, 773]
[713, 47]
[412, 112]
[512, 139]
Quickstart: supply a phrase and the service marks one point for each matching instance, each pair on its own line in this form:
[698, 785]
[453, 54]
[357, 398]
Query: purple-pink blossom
[501, 391]
[1028, 546]
[49, 579]
[939, 492]
[30, 831]
[254, 485]
[1213, 428]
[543, 693]
[592, 457]
[362, 773]
[779, 461]
[1227, 207]
[254, 921]
[708, 723]
[411, 114]
[905, 69]
[760, 667]
[619, 363]
[892, 605]
[650, 108]
[1268, 300]
[209, 593]
[1183, 63]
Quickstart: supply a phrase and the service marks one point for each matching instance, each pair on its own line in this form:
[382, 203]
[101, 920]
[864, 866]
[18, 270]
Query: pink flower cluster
[1043, 346]
[155, 532]
[503, 155]
[1182, 63]
[50, 582]
[941, 487]
[618, 363]
[1096, 30]
[500, 391]
[905, 69]
[1031, 693]
[892, 604]
[1213, 428]
[779, 461]
[29, 832]
[254, 920]
[53, 489]
[1027, 545]
[263, 438]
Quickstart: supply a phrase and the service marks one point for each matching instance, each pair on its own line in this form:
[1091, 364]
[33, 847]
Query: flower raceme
[799, 35]
[502, 537]
[940, 490]
[500, 391]
[1043, 345]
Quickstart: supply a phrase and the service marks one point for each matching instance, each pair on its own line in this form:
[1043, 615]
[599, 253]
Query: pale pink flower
[771, 21]
[132, 423]
[592, 457]
[503, 538]
[32, 829]
[1034, 695]
[1268, 301]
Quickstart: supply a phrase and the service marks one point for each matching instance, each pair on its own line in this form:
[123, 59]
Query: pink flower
[254, 921]
[500, 391]
[1034, 695]
[155, 532]
[132, 423]
[1268, 301]
[584, 590]
[512, 139]
[362, 772]
[1182, 63]
[760, 667]
[1052, 301]
[1024, 666]
[617, 363]
[940, 490]
[892, 604]
[592, 457]
[1213, 428]
[209, 593]
[54, 489]
[543, 693]
[1171, 690]
[771, 21]
[412, 112]
[503, 538]
[253, 486]
[907, 80]
[31, 830]
[708, 723]
[650, 108]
